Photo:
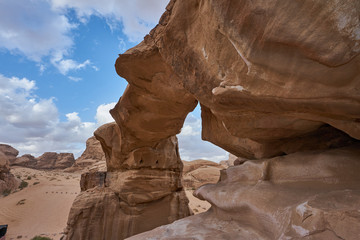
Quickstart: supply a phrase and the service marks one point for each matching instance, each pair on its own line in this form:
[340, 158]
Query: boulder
[306, 195]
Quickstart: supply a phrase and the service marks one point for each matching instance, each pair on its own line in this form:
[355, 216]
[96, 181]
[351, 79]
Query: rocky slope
[279, 84]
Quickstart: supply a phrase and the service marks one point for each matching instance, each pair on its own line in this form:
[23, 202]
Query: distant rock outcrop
[53, 160]
[26, 160]
[199, 172]
[47, 161]
[92, 159]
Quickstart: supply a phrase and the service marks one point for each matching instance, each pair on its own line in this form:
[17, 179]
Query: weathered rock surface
[92, 159]
[47, 161]
[53, 160]
[9, 152]
[26, 160]
[92, 179]
[265, 74]
[277, 81]
[199, 172]
[307, 195]
[140, 191]
[8, 182]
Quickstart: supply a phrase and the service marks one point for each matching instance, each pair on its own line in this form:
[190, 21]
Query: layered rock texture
[306, 195]
[8, 182]
[279, 85]
[140, 191]
[52, 160]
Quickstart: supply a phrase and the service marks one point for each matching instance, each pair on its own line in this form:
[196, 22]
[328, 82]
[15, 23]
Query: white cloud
[40, 28]
[192, 147]
[33, 29]
[137, 16]
[37, 30]
[102, 113]
[32, 125]
[75, 79]
[66, 65]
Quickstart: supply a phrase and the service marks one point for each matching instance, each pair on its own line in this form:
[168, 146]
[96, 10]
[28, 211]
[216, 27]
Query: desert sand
[42, 207]
[47, 203]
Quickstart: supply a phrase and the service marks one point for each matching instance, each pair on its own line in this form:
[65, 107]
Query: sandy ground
[42, 208]
[195, 204]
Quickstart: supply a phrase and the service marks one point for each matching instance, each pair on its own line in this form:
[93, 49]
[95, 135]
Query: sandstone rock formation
[8, 182]
[140, 191]
[92, 179]
[9, 152]
[26, 160]
[307, 195]
[52, 160]
[47, 161]
[278, 83]
[92, 159]
[199, 172]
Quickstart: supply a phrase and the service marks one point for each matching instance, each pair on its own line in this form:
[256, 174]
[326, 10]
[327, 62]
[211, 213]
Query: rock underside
[279, 86]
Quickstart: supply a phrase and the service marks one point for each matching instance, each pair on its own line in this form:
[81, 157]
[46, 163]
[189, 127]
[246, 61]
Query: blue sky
[57, 76]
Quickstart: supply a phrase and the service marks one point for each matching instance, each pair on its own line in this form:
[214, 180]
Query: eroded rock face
[98, 213]
[26, 160]
[92, 179]
[8, 182]
[307, 195]
[9, 152]
[265, 73]
[140, 191]
[53, 160]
